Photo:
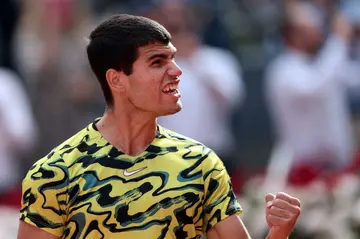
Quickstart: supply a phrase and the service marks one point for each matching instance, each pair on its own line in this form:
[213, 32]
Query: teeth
[169, 88]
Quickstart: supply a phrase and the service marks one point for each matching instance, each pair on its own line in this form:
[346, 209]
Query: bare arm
[230, 228]
[27, 231]
[282, 212]
[221, 208]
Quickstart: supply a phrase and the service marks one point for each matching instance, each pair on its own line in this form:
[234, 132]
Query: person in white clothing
[211, 87]
[306, 91]
[17, 128]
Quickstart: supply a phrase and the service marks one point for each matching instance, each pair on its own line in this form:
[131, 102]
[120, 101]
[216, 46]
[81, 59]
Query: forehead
[156, 48]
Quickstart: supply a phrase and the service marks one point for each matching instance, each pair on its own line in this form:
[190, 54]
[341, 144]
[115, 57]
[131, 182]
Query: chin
[174, 110]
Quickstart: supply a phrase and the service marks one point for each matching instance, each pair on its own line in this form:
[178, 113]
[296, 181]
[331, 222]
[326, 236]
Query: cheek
[146, 90]
[156, 75]
[147, 86]
[152, 85]
[155, 81]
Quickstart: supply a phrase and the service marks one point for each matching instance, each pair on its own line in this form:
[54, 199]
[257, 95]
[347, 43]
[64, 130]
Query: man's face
[314, 39]
[153, 85]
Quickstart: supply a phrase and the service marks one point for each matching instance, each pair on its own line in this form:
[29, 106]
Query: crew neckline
[153, 147]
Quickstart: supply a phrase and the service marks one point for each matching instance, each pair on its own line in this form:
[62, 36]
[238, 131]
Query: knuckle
[280, 194]
[295, 210]
[278, 202]
[283, 194]
[273, 209]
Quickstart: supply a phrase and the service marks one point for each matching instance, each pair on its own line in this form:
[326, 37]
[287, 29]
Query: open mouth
[171, 88]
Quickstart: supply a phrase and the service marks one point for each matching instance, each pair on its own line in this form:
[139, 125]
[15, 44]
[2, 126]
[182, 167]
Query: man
[124, 176]
[307, 96]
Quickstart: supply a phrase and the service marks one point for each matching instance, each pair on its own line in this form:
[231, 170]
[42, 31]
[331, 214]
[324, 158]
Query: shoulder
[217, 52]
[281, 71]
[8, 76]
[49, 170]
[213, 55]
[86, 141]
[190, 148]
[172, 138]
[10, 83]
[277, 63]
[67, 152]
[286, 63]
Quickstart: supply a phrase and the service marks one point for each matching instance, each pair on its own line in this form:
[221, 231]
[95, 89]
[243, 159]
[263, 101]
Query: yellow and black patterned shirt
[86, 188]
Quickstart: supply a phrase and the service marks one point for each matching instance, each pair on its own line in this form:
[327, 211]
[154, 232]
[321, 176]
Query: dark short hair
[114, 45]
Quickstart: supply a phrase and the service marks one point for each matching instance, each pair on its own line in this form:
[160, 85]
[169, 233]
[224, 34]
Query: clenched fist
[282, 211]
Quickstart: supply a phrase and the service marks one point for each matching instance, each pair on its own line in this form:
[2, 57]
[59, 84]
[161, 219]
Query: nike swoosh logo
[127, 174]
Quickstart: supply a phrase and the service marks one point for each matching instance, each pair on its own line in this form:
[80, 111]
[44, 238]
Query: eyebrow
[161, 55]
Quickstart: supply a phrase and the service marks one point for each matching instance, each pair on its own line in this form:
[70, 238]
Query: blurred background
[273, 86]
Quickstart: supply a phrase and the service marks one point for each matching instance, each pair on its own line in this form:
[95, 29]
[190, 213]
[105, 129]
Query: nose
[174, 70]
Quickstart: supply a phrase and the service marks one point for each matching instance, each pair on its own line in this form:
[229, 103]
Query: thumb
[269, 197]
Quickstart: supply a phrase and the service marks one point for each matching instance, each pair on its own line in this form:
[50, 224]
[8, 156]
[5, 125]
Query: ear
[115, 81]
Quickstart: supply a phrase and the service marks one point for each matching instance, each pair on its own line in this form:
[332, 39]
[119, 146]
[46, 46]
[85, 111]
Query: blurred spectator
[211, 84]
[352, 10]
[56, 67]
[17, 131]
[306, 92]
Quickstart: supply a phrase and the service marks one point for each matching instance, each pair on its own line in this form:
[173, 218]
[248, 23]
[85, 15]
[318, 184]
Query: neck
[131, 133]
[297, 46]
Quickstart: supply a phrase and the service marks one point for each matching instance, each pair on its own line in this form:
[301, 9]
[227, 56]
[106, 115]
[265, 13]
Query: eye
[156, 63]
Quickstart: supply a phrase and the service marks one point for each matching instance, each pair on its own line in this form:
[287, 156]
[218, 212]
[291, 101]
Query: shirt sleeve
[220, 201]
[44, 196]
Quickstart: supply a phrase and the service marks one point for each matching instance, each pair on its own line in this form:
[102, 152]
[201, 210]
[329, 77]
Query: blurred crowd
[273, 86]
